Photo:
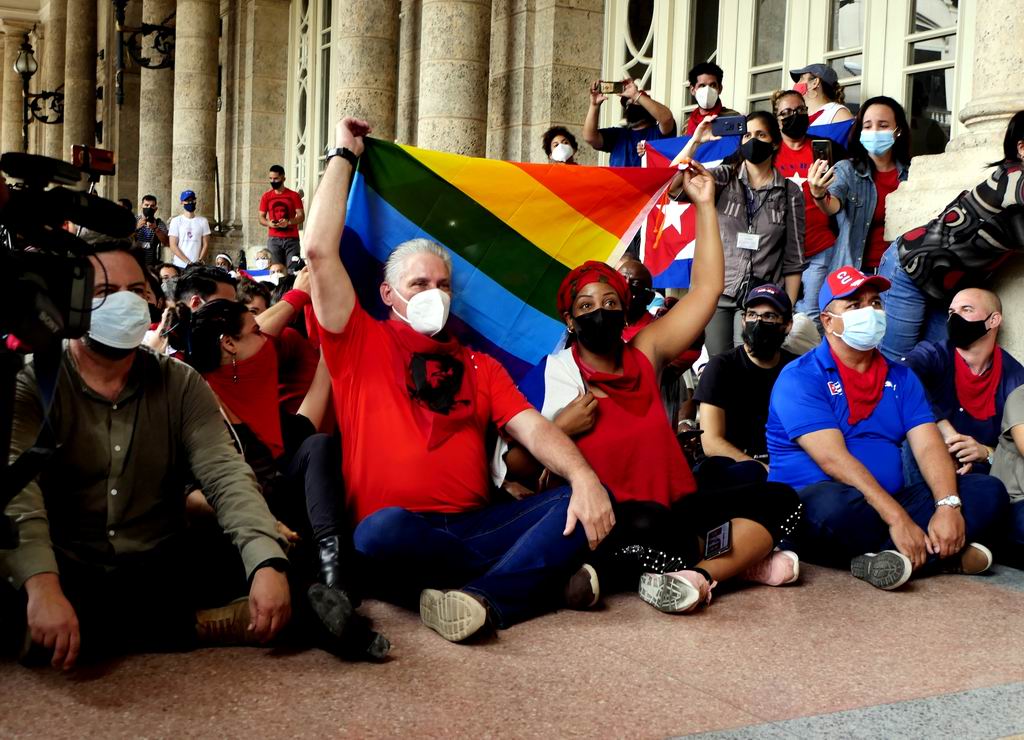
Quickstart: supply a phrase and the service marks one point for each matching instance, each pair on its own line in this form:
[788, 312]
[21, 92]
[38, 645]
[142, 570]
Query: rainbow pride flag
[514, 230]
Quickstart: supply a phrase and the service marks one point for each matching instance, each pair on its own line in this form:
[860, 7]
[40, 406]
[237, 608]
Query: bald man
[968, 378]
[641, 289]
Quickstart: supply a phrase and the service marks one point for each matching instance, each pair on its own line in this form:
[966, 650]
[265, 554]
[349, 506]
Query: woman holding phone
[620, 426]
[761, 219]
[855, 189]
[794, 160]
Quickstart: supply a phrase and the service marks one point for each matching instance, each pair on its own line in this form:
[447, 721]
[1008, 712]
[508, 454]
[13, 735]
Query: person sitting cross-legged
[414, 407]
[837, 421]
[604, 394]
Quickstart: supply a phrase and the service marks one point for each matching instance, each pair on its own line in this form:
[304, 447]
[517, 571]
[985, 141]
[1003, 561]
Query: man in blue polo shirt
[836, 423]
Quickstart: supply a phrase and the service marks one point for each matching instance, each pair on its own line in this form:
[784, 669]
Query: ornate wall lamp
[150, 46]
[46, 106]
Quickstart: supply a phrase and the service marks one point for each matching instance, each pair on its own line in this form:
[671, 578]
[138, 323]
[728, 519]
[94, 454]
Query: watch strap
[343, 152]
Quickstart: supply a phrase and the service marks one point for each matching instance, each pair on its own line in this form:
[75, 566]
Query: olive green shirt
[116, 484]
[1007, 461]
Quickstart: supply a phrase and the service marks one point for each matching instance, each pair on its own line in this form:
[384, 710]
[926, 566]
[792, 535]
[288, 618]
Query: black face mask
[600, 331]
[964, 333]
[637, 114]
[796, 125]
[149, 212]
[756, 151]
[276, 184]
[763, 339]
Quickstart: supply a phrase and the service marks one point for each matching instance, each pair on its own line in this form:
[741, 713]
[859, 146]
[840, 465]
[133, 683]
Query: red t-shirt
[296, 366]
[385, 461]
[696, 117]
[278, 204]
[793, 165]
[875, 246]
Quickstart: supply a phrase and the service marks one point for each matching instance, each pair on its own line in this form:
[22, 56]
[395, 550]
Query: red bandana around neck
[977, 393]
[863, 390]
[436, 426]
[627, 389]
[253, 396]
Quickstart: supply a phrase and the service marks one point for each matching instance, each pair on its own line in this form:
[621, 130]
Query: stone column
[156, 124]
[408, 72]
[937, 179]
[195, 104]
[52, 69]
[11, 138]
[126, 121]
[80, 75]
[365, 62]
[455, 40]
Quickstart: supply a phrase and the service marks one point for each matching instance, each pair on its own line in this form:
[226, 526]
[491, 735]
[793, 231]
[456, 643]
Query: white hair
[394, 269]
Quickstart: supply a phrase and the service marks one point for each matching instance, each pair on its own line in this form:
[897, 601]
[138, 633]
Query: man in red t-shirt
[414, 408]
[281, 212]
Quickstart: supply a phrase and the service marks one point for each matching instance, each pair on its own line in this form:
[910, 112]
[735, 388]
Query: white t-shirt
[190, 233]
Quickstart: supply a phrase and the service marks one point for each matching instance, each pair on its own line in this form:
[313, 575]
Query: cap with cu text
[846, 281]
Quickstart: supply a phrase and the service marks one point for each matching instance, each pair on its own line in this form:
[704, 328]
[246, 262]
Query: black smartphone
[610, 88]
[729, 126]
[688, 434]
[822, 149]
[719, 541]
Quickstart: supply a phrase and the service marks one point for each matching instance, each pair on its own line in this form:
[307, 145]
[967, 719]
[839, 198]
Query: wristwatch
[951, 501]
[344, 153]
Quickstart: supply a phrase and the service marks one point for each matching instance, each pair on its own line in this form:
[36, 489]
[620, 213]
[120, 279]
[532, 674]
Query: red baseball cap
[845, 281]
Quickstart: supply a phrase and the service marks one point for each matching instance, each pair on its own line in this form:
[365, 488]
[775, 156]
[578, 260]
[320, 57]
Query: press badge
[746, 240]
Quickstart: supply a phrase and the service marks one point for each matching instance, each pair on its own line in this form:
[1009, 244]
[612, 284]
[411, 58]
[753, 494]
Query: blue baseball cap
[188, 195]
[846, 281]
[770, 293]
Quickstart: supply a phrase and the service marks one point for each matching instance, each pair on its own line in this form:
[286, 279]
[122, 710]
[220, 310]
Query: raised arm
[277, 317]
[332, 291]
[314, 405]
[661, 113]
[674, 332]
[701, 135]
[591, 133]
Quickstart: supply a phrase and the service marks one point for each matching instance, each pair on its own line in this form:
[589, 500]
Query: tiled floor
[832, 657]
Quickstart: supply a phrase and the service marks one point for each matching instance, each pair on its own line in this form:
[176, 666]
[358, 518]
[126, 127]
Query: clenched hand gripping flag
[667, 237]
[513, 230]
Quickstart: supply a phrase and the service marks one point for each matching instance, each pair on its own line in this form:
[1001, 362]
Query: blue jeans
[813, 278]
[840, 524]
[910, 315]
[513, 554]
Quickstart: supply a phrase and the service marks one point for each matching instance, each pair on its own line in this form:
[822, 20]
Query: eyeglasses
[769, 317]
[790, 112]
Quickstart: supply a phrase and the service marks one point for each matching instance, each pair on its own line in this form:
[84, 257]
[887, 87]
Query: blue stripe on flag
[503, 321]
[675, 275]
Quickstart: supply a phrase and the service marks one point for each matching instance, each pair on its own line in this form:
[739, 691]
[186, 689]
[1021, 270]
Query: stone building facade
[261, 82]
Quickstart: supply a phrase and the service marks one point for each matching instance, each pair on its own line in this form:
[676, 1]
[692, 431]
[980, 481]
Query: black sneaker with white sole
[886, 570]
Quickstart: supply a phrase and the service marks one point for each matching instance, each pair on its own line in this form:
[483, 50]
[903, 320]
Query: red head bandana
[590, 271]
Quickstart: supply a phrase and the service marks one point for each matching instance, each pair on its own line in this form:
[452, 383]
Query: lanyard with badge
[748, 239]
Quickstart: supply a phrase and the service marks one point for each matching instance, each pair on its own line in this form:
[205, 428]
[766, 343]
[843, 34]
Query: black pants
[140, 602]
[649, 537]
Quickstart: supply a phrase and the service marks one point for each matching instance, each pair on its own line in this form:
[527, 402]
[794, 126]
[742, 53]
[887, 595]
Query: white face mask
[563, 152]
[706, 97]
[261, 263]
[427, 311]
[119, 320]
[863, 328]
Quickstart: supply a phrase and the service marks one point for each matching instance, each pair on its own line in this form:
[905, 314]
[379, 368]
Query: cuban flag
[667, 235]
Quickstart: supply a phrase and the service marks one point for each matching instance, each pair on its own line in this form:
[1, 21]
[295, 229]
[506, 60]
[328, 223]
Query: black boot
[344, 632]
[330, 567]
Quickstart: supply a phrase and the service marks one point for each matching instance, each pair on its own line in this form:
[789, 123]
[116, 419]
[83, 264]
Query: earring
[234, 369]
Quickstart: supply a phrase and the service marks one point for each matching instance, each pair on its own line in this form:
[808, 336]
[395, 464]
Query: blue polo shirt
[621, 142]
[809, 397]
[933, 364]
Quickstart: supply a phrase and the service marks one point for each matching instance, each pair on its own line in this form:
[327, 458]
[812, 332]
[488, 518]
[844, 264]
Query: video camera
[46, 279]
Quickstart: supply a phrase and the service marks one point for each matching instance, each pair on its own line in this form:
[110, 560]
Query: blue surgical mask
[877, 142]
[863, 328]
[119, 320]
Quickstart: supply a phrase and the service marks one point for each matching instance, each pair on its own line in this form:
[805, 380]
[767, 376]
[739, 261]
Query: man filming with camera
[105, 562]
[151, 232]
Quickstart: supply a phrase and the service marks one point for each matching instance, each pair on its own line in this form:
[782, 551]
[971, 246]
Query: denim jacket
[855, 189]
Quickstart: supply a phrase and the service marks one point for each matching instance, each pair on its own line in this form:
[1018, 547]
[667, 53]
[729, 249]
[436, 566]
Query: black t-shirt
[732, 382]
